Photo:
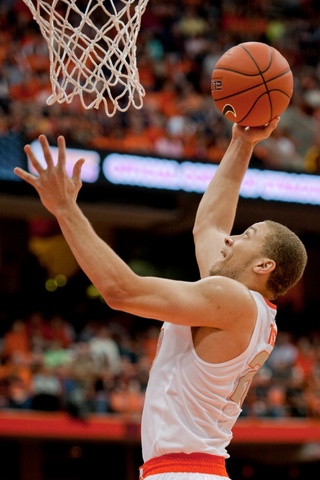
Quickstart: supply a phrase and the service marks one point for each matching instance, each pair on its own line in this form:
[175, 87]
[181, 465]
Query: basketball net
[92, 49]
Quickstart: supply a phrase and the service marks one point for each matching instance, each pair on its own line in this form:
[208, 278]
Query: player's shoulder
[229, 290]
[222, 281]
[231, 305]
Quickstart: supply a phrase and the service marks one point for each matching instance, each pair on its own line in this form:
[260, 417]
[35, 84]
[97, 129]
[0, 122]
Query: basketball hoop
[92, 49]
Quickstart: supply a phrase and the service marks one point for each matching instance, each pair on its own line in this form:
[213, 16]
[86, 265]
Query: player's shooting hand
[255, 134]
[56, 189]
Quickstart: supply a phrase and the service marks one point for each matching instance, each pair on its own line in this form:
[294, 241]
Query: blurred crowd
[177, 48]
[46, 365]
[103, 368]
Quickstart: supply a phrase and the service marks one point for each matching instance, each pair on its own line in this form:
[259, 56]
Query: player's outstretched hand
[55, 188]
[255, 134]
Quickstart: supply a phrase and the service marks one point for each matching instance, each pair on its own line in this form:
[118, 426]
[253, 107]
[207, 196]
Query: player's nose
[228, 241]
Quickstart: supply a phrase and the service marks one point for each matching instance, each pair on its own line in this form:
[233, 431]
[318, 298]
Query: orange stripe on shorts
[184, 462]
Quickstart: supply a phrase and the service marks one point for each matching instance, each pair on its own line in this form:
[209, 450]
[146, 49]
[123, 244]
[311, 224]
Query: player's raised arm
[216, 212]
[187, 303]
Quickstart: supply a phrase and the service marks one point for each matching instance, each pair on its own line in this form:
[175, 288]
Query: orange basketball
[251, 84]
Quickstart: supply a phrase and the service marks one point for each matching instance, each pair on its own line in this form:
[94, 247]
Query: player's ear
[265, 265]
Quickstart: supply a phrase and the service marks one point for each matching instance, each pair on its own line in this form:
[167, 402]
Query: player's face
[240, 253]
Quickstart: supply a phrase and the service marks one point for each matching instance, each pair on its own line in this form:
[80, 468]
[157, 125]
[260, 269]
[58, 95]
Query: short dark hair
[284, 247]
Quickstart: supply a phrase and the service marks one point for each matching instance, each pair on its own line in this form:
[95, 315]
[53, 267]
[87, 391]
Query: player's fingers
[33, 159]
[27, 177]
[272, 125]
[274, 122]
[61, 152]
[46, 150]
[76, 174]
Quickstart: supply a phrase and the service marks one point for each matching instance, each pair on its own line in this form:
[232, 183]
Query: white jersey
[192, 405]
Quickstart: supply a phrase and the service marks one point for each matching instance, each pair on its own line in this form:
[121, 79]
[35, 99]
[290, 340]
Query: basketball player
[216, 332]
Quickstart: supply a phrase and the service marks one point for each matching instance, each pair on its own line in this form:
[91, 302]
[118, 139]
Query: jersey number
[242, 388]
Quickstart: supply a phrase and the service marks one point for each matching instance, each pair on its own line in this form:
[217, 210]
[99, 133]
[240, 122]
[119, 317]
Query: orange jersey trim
[272, 305]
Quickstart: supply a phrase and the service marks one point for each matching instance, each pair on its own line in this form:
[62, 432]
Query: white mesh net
[92, 48]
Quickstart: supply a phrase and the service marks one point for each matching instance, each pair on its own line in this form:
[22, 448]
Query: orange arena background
[122, 428]
[25, 435]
